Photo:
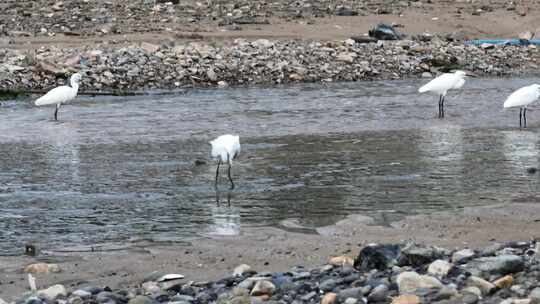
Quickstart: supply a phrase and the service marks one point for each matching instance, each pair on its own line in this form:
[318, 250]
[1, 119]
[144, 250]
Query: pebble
[241, 269]
[409, 282]
[439, 268]
[462, 256]
[53, 292]
[504, 282]
[42, 268]
[498, 265]
[484, 286]
[406, 299]
[329, 298]
[263, 287]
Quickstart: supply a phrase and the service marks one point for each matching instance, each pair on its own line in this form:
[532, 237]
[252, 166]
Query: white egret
[522, 98]
[60, 95]
[225, 148]
[442, 84]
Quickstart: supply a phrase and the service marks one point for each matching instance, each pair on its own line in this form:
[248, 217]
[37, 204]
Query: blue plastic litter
[504, 41]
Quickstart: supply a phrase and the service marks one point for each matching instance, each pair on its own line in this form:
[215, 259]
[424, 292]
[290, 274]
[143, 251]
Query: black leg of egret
[217, 172]
[442, 106]
[230, 178]
[520, 117]
[440, 99]
[56, 112]
[525, 118]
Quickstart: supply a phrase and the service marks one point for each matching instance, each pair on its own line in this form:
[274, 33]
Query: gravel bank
[244, 62]
[391, 273]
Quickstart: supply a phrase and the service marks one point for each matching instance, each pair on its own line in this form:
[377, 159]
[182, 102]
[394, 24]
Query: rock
[354, 292]
[263, 287]
[341, 261]
[328, 285]
[222, 84]
[42, 268]
[83, 294]
[527, 35]
[487, 46]
[439, 268]
[377, 257]
[53, 292]
[504, 282]
[473, 290]
[151, 287]
[149, 47]
[350, 301]
[363, 39]
[262, 43]
[211, 75]
[499, 265]
[169, 277]
[241, 269]
[406, 299]
[409, 282]
[346, 57]
[534, 295]
[485, 286]
[470, 299]
[378, 294]
[142, 300]
[426, 75]
[461, 256]
[51, 68]
[329, 298]
[385, 32]
[416, 255]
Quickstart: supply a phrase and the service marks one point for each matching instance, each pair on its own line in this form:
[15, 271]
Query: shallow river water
[117, 169]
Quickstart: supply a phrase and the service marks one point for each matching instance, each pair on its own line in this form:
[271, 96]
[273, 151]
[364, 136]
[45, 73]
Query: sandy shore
[273, 249]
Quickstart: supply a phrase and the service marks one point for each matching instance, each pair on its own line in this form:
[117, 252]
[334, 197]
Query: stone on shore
[53, 292]
[42, 268]
[409, 282]
[263, 287]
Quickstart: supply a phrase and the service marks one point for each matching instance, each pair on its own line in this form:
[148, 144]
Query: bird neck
[74, 86]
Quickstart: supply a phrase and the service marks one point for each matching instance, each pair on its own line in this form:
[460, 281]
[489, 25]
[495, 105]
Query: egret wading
[225, 148]
[60, 95]
[522, 98]
[442, 84]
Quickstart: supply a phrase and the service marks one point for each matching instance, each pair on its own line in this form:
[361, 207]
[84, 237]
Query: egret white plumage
[442, 84]
[225, 148]
[60, 95]
[522, 98]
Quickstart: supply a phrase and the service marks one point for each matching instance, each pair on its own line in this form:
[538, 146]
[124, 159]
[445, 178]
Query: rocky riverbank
[243, 62]
[477, 262]
[393, 273]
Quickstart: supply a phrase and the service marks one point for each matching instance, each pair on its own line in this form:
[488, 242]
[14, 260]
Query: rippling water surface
[123, 169]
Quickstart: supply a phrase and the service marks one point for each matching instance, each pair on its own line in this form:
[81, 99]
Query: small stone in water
[531, 170]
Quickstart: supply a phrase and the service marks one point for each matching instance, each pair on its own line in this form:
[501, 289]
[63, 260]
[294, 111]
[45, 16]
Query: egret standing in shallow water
[225, 148]
[442, 84]
[60, 95]
[521, 98]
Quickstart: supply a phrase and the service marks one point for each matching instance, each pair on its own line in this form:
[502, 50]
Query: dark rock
[415, 255]
[355, 292]
[498, 265]
[378, 294]
[363, 39]
[531, 170]
[378, 257]
[385, 32]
